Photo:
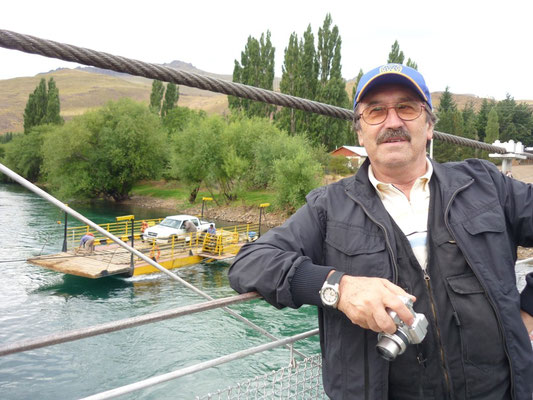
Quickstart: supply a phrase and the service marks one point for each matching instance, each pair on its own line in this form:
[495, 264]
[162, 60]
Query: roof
[360, 151]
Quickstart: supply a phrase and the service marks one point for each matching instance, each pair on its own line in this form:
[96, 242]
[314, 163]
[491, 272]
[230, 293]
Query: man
[87, 241]
[211, 230]
[443, 235]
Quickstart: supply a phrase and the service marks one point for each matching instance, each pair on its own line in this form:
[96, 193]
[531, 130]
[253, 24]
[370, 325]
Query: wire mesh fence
[301, 381]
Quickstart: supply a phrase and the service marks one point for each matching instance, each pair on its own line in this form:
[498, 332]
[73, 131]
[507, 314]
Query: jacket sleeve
[517, 198]
[284, 264]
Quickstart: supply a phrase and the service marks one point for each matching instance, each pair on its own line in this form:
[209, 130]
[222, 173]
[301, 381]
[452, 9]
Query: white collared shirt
[410, 215]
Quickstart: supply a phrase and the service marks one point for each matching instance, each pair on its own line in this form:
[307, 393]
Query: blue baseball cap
[393, 74]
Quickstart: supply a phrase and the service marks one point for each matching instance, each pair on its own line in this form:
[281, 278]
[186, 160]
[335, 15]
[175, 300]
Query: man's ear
[360, 137]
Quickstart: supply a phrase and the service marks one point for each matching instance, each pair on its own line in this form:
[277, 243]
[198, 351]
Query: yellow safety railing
[226, 240]
[121, 229]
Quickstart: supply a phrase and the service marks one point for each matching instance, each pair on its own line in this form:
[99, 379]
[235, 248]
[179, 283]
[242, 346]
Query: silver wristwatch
[329, 294]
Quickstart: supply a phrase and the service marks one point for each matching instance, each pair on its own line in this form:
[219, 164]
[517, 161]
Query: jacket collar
[449, 178]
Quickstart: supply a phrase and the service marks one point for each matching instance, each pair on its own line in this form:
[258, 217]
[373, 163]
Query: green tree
[255, 69]
[469, 129]
[412, 64]
[295, 176]
[493, 127]
[53, 105]
[24, 154]
[104, 152]
[482, 118]
[196, 151]
[291, 83]
[331, 132]
[171, 98]
[156, 97]
[396, 55]
[43, 106]
[450, 121]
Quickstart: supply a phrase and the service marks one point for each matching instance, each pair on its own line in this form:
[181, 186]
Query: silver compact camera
[390, 346]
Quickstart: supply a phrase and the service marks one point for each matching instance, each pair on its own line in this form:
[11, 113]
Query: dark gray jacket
[345, 226]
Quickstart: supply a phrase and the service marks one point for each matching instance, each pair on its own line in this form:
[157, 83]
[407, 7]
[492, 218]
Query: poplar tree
[492, 129]
[255, 69]
[53, 105]
[482, 118]
[291, 83]
[396, 55]
[330, 132]
[171, 98]
[156, 96]
[43, 106]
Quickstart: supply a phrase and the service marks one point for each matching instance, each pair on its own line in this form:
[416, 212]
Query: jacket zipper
[434, 311]
[496, 312]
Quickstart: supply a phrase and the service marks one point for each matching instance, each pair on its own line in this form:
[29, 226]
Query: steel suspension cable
[49, 48]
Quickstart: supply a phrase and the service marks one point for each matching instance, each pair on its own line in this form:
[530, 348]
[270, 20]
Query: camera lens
[389, 346]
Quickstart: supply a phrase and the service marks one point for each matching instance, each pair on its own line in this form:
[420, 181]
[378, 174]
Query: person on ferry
[441, 235]
[87, 242]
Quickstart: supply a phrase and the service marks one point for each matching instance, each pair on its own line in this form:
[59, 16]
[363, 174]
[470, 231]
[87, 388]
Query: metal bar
[109, 394]
[122, 324]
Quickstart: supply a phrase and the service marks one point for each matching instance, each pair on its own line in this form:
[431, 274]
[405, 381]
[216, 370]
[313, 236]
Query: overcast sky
[474, 47]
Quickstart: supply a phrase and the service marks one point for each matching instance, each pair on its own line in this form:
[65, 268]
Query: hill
[84, 88]
[81, 89]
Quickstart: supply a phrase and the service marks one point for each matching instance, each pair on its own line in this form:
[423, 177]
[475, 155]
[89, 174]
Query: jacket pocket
[356, 250]
[489, 221]
[481, 338]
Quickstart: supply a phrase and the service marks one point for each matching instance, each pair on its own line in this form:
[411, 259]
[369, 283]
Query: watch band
[335, 278]
[329, 294]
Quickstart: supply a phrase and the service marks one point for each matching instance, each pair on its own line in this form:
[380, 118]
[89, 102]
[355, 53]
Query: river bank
[237, 214]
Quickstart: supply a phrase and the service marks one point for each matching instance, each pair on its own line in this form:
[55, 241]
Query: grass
[172, 190]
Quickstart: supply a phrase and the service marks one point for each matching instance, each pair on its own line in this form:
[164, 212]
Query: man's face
[394, 143]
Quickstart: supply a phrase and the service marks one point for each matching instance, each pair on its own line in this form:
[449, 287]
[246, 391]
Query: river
[35, 302]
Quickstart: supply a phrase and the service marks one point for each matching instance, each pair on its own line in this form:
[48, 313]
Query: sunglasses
[375, 114]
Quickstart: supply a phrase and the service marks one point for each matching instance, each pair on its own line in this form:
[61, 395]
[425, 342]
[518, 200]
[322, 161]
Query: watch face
[329, 296]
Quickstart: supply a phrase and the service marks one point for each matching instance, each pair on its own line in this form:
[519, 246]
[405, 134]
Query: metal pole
[260, 213]
[65, 234]
[203, 202]
[109, 394]
[132, 244]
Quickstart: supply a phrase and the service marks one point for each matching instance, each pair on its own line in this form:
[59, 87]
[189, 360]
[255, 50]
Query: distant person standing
[211, 230]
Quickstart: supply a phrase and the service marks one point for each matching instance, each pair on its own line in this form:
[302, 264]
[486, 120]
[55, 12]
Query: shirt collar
[378, 185]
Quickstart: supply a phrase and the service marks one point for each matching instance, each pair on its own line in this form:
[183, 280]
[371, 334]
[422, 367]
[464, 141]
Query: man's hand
[528, 322]
[364, 301]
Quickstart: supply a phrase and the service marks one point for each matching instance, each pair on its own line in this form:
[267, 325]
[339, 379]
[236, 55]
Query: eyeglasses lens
[377, 113]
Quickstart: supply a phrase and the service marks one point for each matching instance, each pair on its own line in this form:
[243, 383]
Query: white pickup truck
[173, 227]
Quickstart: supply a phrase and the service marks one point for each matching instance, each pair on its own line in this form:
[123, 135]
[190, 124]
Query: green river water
[35, 302]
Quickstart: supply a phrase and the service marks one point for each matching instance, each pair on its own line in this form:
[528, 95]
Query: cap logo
[390, 68]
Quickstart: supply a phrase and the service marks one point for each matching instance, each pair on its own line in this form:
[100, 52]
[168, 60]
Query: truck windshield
[171, 223]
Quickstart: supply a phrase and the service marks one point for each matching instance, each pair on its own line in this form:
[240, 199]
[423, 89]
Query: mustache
[393, 133]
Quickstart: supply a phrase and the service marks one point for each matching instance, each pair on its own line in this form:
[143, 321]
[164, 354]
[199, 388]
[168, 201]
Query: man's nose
[392, 120]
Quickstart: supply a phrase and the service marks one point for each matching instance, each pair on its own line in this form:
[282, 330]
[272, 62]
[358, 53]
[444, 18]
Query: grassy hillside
[86, 88]
[81, 90]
